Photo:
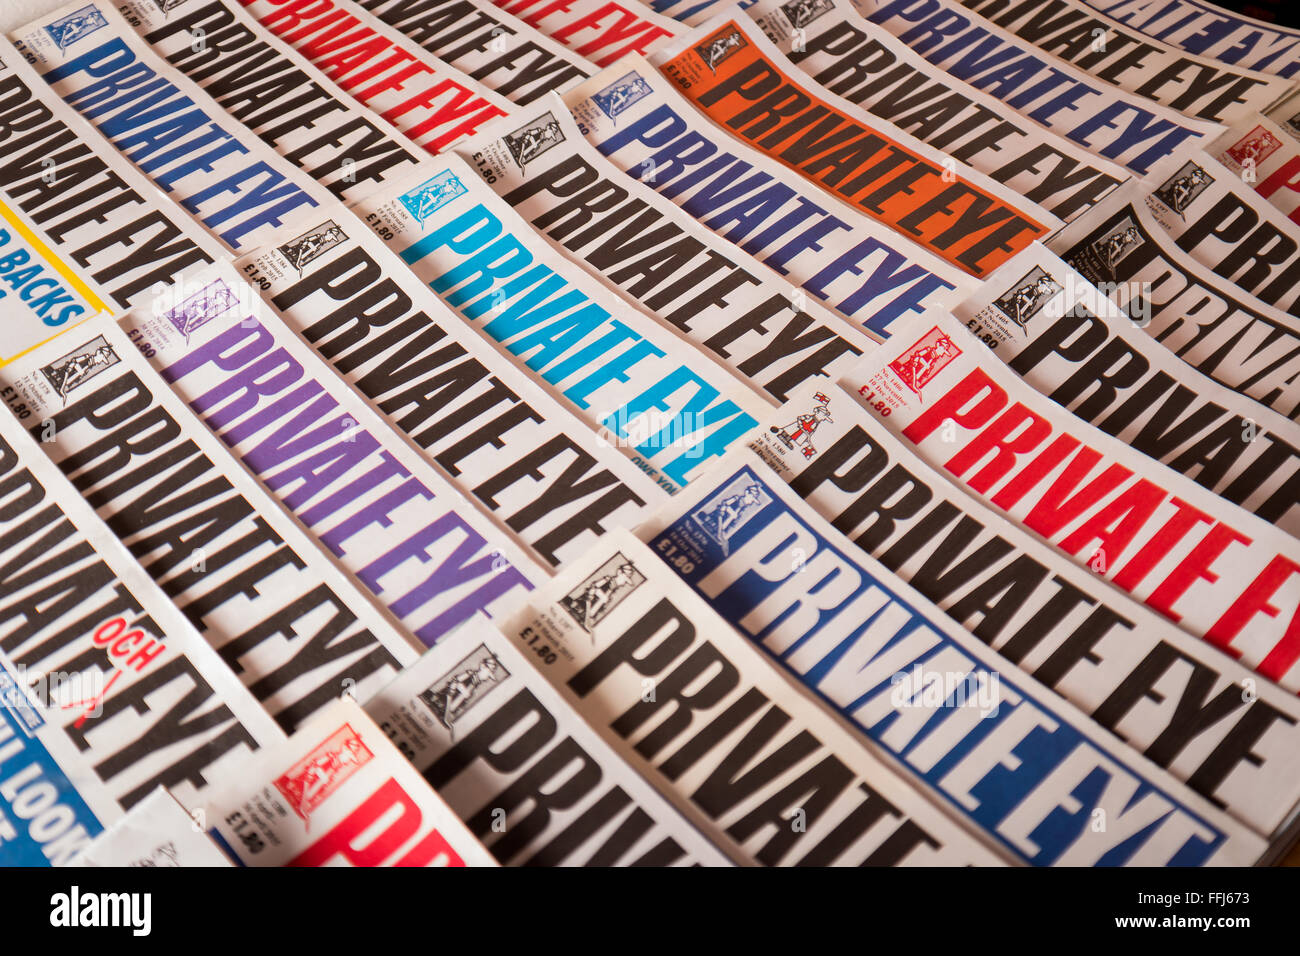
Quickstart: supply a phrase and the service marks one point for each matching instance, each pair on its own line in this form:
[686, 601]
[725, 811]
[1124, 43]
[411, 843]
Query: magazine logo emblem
[66, 31]
[80, 365]
[593, 600]
[453, 694]
[1255, 147]
[202, 307]
[1116, 244]
[310, 781]
[430, 196]
[1027, 298]
[301, 250]
[621, 95]
[927, 357]
[798, 434]
[718, 47]
[167, 6]
[163, 855]
[800, 13]
[730, 510]
[1180, 190]
[529, 142]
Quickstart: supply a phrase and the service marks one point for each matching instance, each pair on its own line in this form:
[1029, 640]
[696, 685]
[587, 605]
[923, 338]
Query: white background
[15, 13]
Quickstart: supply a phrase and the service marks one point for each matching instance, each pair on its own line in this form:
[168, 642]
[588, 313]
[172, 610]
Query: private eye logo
[718, 47]
[302, 250]
[167, 6]
[310, 781]
[1116, 244]
[800, 13]
[596, 597]
[621, 95]
[530, 141]
[79, 366]
[214, 299]
[1027, 298]
[798, 434]
[67, 30]
[453, 695]
[928, 356]
[1255, 147]
[731, 509]
[1181, 189]
[431, 195]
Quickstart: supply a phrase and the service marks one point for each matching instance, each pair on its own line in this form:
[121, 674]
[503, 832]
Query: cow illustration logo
[80, 365]
[529, 142]
[310, 781]
[927, 357]
[452, 695]
[202, 307]
[800, 13]
[66, 31]
[1181, 189]
[432, 194]
[728, 511]
[1255, 147]
[622, 94]
[798, 434]
[720, 46]
[301, 250]
[1026, 299]
[1117, 243]
[593, 600]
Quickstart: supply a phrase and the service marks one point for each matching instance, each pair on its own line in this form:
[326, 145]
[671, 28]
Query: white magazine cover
[521, 767]
[481, 40]
[229, 182]
[292, 626]
[1055, 330]
[273, 91]
[362, 491]
[639, 383]
[991, 746]
[1217, 219]
[1134, 672]
[753, 758]
[1225, 333]
[336, 793]
[494, 433]
[1114, 53]
[1264, 152]
[766, 331]
[1208, 29]
[831, 42]
[857, 267]
[731, 72]
[157, 832]
[106, 691]
[433, 103]
[1218, 571]
[1121, 126]
[601, 31]
[70, 202]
